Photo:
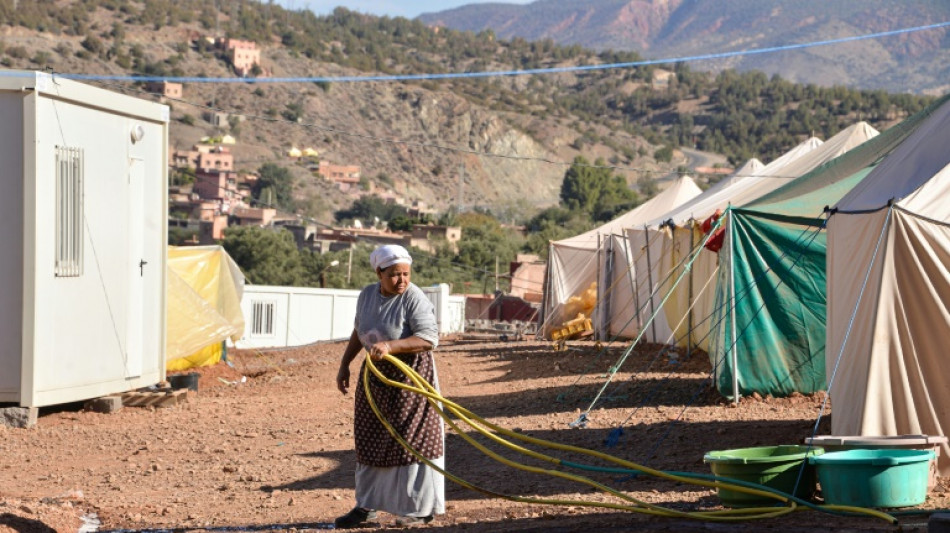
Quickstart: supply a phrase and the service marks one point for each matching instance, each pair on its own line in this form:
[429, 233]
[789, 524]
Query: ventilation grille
[262, 319]
[69, 211]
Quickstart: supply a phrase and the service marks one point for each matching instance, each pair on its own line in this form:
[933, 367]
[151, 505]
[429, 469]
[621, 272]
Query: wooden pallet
[154, 398]
[574, 329]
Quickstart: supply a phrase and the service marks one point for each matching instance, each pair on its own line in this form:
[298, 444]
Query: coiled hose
[421, 386]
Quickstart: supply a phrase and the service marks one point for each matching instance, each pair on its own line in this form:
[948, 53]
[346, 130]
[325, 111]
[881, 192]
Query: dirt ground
[273, 452]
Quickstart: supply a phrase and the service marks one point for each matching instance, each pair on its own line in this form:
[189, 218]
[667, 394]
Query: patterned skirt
[409, 413]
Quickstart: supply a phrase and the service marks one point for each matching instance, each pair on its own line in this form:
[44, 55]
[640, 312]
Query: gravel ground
[274, 451]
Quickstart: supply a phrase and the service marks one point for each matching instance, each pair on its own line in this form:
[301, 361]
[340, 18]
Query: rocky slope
[911, 62]
[413, 140]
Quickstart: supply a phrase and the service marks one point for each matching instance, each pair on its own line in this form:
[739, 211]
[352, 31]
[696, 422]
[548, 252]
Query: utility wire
[500, 73]
[404, 142]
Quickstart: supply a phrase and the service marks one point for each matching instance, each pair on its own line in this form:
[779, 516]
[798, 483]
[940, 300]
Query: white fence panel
[295, 316]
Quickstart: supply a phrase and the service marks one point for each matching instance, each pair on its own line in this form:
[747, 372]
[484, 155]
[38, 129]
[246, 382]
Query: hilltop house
[204, 158]
[426, 236]
[243, 55]
[166, 89]
[349, 174]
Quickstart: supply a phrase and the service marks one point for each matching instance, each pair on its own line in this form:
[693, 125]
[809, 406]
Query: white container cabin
[84, 222]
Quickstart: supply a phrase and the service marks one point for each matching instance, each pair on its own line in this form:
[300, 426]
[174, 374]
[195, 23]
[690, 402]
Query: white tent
[573, 263]
[659, 247]
[750, 168]
[674, 235]
[889, 294]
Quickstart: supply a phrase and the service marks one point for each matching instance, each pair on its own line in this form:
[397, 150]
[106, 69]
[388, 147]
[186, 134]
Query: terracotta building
[242, 54]
[165, 88]
[339, 173]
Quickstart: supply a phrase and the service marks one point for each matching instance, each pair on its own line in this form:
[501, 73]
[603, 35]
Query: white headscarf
[388, 255]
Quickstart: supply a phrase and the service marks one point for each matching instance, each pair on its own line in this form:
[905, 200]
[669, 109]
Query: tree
[615, 198]
[484, 241]
[595, 190]
[647, 186]
[183, 176]
[320, 270]
[553, 224]
[267, 256]
[369, 208]
[583, 185]
[279, 181]
[664, 154]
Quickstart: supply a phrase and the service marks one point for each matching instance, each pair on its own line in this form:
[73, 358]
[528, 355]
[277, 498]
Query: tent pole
[597, 303]
[545, 296]
[689, 317]
[608, 291]
[630, 277]
[650, 281]
[732, 310]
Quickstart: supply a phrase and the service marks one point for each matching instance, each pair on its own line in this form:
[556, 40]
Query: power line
[418, 144]
[501, 73]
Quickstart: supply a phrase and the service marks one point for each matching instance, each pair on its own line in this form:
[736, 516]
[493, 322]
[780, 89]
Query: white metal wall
[295, 316]
[11, 235]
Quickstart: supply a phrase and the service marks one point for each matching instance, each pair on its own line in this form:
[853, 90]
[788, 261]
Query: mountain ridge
[501, 143]
[660, 29]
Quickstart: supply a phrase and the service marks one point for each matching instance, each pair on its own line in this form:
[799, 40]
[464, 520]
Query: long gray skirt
[410, 490]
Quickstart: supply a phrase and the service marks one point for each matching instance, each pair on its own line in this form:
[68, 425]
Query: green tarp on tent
[772, 276]
[779, 278]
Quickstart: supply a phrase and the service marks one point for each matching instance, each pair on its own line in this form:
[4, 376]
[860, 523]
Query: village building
[243, 55]
[427, 236]
[253, 216]
[339, 173]
[166, 89]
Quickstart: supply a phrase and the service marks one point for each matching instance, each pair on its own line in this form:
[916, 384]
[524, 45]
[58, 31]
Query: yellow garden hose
[434, 398]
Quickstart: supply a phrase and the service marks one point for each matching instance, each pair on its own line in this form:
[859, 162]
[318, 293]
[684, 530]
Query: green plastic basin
[776, 467]
[874, 478]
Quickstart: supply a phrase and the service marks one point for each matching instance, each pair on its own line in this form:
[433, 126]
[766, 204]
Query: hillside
[411, 140]
[913, 62]
[502, 143]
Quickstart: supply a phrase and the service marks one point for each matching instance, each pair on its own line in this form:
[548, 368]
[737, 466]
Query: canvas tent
[662, 244]
[204, 305]
[574, 263]
[888, 273]
[772, 277]
[769, 180]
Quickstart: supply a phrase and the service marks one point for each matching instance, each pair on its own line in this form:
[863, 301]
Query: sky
[393, 8]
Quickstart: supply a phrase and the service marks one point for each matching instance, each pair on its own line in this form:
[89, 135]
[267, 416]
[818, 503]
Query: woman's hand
[379, 350]
[343, 379]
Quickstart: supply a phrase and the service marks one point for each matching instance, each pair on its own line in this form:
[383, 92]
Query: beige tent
[889, 294]
[574, 263]
[692, 301]
[662, 243]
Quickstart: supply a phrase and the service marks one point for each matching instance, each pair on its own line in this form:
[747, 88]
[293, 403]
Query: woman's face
[394, 280]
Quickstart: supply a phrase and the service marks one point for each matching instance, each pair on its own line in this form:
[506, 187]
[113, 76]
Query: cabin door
[137, 266]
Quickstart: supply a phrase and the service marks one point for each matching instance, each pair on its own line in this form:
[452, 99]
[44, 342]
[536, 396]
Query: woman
[394, 317]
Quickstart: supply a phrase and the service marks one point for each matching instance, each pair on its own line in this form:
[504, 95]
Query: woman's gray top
[382, 318]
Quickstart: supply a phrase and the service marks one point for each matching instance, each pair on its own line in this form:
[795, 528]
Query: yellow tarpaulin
[204, 305]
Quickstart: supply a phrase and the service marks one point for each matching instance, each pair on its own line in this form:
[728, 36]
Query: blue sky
[392, 8]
